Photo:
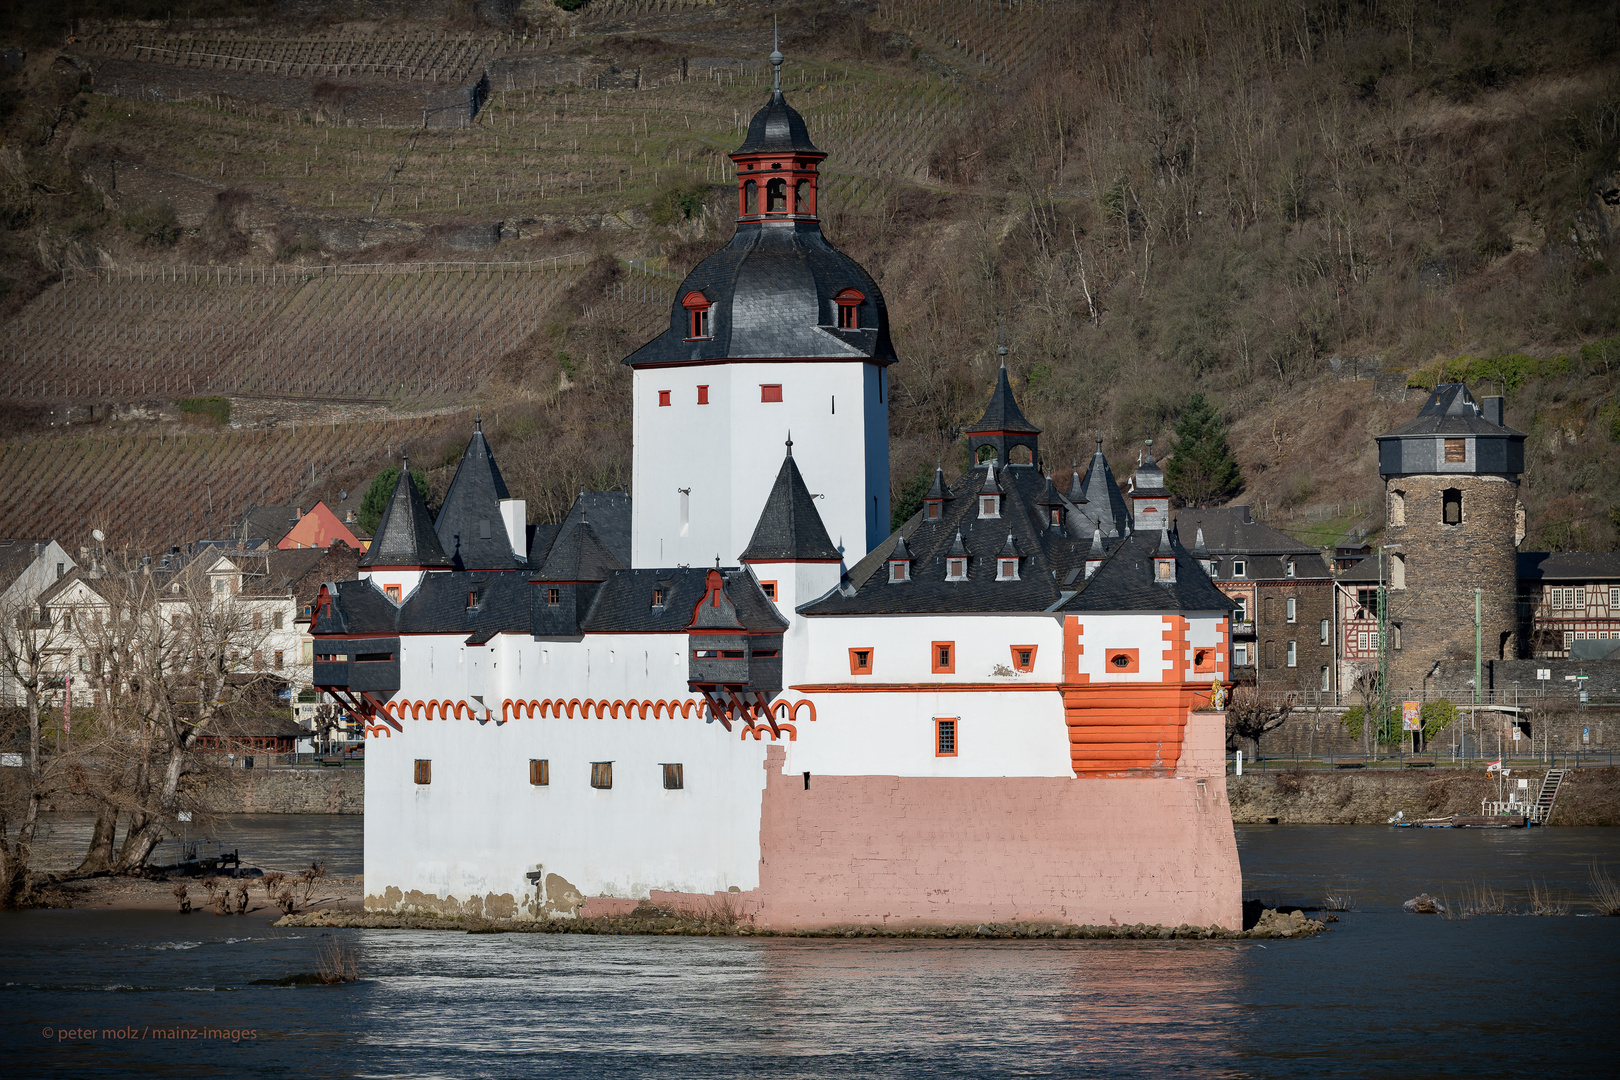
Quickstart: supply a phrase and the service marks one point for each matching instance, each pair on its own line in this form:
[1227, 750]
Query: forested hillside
[1304, 212]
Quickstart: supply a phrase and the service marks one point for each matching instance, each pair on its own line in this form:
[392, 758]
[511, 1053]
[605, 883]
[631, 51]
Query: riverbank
[112, 893]
[1373, 796]
[260, 791]
[653, 921]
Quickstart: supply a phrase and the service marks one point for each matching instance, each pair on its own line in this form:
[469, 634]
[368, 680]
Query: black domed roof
[771, 295]
[777, 128]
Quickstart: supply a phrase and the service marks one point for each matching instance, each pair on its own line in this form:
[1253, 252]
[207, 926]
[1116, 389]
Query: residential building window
[277, 620]
[945, 737]
[219, 586]
[258, 620]
[860, 661]
[392, 592]
[769, 589]
[1324, 633]
[770, 392]
[1240, 656]
[663, 397]
[956, 569]
[1293, 654]
[1614, 599]
[424, 771]
[943, 657]
[1456, 451]
[1006, 569]
[1023, 657]
[1327, 678]
[309, 652]
[553, 597]
[258, 659]
[540, 772]
[703, 395]
[989, 506]
[601, 774]
[1451, 506]
[674, 780]
[1240, 568]
[1241, 604]
[174, 622]
[277, 660]
[1367, 601]
[1288, 568]
[1290, 608]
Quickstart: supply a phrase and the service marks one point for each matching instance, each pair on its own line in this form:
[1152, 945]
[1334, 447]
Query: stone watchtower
[1451, 490]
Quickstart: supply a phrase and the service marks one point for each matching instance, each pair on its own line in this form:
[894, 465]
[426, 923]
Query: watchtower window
[703, 395]
[674, 776]
[801, 198]
[776, 196]
[983, 454]
[601, 774]
[860, 661]
[1397, 507]
[1451, 505]
[658, 598]
[700, 323]
[943, 654]
[1057, 518]
[1456, 451]
[770, 392]
[663, 397]
[750, 197]
[697, 310]
[1020, 455]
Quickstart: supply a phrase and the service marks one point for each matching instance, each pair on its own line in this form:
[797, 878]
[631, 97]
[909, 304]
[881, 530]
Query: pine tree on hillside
[377, 495]
[1202, 470]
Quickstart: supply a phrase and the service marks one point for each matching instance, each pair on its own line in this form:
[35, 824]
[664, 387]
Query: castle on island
[741, 682]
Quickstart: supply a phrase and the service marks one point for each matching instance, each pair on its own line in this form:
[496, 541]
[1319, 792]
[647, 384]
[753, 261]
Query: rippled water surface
[1383, 994]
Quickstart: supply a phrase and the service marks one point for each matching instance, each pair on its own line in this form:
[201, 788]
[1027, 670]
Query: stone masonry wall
[1313, 602]
[1444, 565]
[286, 791]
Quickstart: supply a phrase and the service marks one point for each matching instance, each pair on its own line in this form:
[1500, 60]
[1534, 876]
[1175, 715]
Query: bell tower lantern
[777, 162]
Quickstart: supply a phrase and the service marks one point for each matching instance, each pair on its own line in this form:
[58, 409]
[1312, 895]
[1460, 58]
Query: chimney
[1493, 410]
[1244, 511]
[515, 516]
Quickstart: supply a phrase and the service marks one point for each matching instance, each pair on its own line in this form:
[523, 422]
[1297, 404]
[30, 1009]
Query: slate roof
[268, 523]
[16, 556]
[1105, 504]
[1003, 413]
[1569, 565]
[405, 535]
[771, 290]
[469, 527]
[1450, 410]
[1232, 530]
[578, 554]
[790, 527]
[1148, 481]
[1126, 580]
[777, 129]
[624, 604]
[1366, 571]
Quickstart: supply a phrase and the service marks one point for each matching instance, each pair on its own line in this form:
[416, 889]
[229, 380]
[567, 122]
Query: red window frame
[769, 589]
[769, 392]
[856, 667]
[849, 303]
[697, 308]
[663, 398]
[392, 592]
[703, 395]
[947, 733]
[942, 657]
[1020, 650]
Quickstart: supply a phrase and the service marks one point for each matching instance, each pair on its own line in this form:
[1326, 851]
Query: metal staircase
[1550, 785]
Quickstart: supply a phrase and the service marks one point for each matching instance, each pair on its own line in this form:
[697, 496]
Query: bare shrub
[182, 894]
[242, 898]
[1543, 902]
[272, 883]
[1482, 900]
[338, 962]
[309, 880]
[1339, 900]
[1605, 893]
[286, 901]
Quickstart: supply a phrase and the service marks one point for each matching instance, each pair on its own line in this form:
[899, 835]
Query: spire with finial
[776, 57]
[790, 444]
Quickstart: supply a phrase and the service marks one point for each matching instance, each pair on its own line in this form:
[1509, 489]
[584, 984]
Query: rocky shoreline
[1271, 924]
[1590, 796]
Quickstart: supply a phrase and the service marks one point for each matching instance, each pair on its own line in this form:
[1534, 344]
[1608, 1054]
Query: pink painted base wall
[887, 849]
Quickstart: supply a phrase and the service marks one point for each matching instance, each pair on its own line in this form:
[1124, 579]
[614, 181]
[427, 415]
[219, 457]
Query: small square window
[1239, 568]
[989, 506]
[1023, 657]
[945, 737]
[539, 772]
[769, 589]
[860, 661]
[553, 597]
[943, 657]
[933, 511]
[956, 569]
[663, 397]
[674, 778]
[770, 392]
[392, 592]
[899, 571]
[703, 395]
[1006, 569]
[601, 774]
[1456, 451]
[424, 771]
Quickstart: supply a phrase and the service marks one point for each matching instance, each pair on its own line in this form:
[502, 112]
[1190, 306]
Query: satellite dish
[96, 533]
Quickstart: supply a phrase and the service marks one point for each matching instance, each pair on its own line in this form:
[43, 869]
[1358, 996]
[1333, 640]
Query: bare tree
[26, 645]
[1249, 716]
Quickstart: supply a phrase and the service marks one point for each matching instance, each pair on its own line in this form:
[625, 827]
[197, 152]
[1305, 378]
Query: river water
[1382, 994]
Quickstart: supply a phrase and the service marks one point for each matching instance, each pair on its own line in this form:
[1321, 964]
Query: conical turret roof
[1003, 413]
[470, 528]
[790, 528]
[777, 129]
[405, 535]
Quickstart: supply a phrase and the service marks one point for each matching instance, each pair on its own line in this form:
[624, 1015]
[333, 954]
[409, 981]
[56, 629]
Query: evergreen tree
[1202, 470]
[377, 495]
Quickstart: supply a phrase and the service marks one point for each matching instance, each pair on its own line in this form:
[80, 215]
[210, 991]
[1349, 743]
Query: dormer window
[989, 506]
[1239, 568]
[1288, 568]
[658, 598]
[1057, 517]
[553, 596]
[472, 600]
[899, 570]
[1007, 569]
[849, 305]
[956, 569]
[697, 310]
[933, 510]
[1164, 570]
[392, 592]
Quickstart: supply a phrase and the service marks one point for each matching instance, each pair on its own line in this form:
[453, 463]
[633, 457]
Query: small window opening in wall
[663, 397]
[1395, 636]
[601, 774]
[956, 569]
[770, 392]
[1023, 657]
[1397, 571]
[392, 592]
[674, 778]
[1456, 451]
[1239, 568]
[703, 395]
[933, 511]
[945, 737]
[658, 598]
[1397, 507]
[1451, 506]
[751, 196]
[860, 661]
[989, 506]
[539, 772]
[943, 654]
[769, 589]
[424, 771]
[472, 600]
[700, 323]
[553, 597]
[1121, 661]
[1006, 569]
[1290, 608]
[1323, 634]
[776, 195]
[1293, 654]
[278, 661]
